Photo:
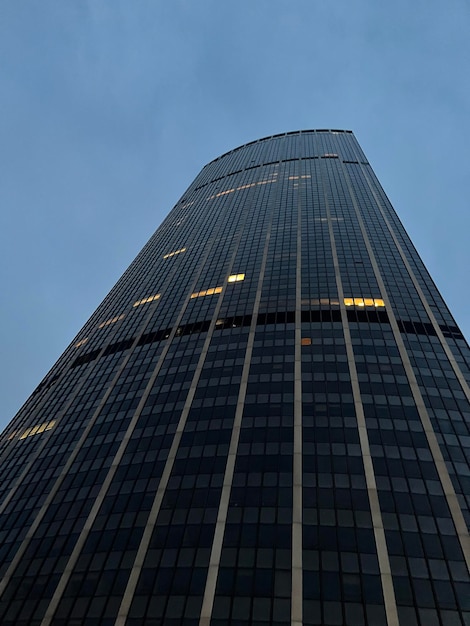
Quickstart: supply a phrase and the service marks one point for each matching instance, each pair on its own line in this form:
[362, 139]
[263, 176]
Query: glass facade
[265, 422]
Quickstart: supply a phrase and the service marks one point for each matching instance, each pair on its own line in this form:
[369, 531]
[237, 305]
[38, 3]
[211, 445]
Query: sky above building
[111, 107]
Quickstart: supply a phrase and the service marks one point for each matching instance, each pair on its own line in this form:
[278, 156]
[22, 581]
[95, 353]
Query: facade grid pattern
[265, 422]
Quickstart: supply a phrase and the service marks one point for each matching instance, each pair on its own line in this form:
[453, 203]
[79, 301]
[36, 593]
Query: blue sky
[109, 108]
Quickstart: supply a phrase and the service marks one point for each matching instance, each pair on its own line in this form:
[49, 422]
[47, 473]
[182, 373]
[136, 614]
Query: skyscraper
[265, 422]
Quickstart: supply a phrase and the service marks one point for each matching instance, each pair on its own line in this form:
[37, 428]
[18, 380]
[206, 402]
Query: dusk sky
[109, 109]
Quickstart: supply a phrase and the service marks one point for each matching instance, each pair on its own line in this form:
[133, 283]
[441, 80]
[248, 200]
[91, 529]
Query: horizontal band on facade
[277, 162]
[279, 317]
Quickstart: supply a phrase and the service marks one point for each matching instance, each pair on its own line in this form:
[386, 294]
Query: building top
[292, 132]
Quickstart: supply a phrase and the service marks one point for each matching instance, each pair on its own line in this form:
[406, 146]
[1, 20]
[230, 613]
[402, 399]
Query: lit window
[81, 342]
[364, 302]
[260, 182]
[170, 254]
[36, 430]
[265, 182]
[224, 193]
[330, 155]
[234, 278]
[145, 300]
[306, 341]
[206, 292]
[113, 320]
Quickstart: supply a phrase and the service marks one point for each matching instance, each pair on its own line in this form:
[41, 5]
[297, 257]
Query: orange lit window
[81, 342]
[363, 302]
[206, 292]
[113, 320]
[306, 341]
[145, 300]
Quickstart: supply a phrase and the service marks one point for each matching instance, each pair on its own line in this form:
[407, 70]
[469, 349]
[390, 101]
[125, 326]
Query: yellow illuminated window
[113, 320]
[39, 428]
[145, 300]
[81, 342]
[206, 292]
[362, 302]
[170, 254]
[306, 341]
[234, 278]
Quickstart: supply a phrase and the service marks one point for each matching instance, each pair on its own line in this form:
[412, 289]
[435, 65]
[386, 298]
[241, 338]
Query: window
[235, 278]
[260, 182]
[36, 430]
[170, 254]
[145, 300]
[206, 292]
[113, 320]
[363, 302]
